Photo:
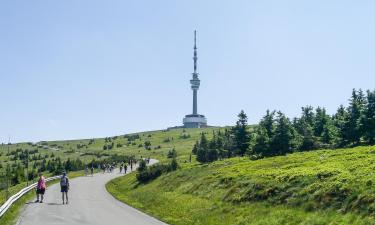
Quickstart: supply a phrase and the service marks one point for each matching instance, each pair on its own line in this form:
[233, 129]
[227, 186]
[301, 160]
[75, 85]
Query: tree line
[276, 134]
[27, 169]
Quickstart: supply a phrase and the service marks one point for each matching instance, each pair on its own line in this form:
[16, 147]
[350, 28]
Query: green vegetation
[264, 184]
[10, 217]
[146, 174]
[278, 135]
[316, 187]
[275, 186]
[52, 157]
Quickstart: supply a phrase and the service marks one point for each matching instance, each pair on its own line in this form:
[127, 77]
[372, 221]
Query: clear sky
[92, 68]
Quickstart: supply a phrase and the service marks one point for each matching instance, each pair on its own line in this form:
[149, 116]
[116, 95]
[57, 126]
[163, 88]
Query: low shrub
[146, 174]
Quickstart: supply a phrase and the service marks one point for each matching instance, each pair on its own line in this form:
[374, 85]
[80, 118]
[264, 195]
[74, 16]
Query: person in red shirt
[40, 188]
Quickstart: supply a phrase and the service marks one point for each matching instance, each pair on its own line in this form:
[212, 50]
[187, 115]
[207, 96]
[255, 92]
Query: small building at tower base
[194, 121]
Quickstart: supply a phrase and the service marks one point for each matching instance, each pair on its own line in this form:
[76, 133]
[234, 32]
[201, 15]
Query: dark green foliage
[131, 137]
[241, 134]
[315, 129]
[142, 166]
[172, 153]
[118, 145]
[281, 142]
[352, 129]
[147, 145]
[367, 122]
[146, 174]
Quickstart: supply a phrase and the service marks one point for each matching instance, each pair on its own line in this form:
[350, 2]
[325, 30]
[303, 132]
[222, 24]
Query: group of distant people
[91, 171]
[41, 188]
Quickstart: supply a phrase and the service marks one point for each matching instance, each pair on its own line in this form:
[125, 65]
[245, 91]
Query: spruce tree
[283, 138]
[241, 134]
[320, 121]
[352, 128]
[339, 121]
[262, 142]
[368, 118]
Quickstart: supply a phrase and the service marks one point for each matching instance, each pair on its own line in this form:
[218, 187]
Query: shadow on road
[33, 202]
[53, 203]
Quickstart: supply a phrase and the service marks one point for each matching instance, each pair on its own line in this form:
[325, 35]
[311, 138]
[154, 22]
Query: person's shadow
[33, 202]
[49, 203]
[53, 203]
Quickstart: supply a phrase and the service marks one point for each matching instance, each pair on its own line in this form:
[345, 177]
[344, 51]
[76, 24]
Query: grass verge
[318, 187]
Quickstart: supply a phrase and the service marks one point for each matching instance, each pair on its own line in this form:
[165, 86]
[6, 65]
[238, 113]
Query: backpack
[64, 181]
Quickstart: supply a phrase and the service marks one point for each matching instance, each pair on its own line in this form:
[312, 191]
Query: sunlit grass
[317, 187]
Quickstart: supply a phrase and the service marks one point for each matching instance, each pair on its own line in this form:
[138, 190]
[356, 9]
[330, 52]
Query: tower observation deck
[195, 120]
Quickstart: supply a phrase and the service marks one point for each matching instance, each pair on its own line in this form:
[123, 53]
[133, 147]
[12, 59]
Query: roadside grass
[317, 187]
[162, 141]
[11, 216]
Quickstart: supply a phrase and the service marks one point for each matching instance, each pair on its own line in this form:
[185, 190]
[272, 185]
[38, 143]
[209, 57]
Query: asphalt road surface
[89, 203]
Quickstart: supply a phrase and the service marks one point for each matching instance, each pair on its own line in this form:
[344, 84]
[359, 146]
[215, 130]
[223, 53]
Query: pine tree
[308, 115]
[282, 141]
[339, 120]
[352, 128]
[329, 134]
[241, 134]
[268, 123]
[262, 142]
[368, 118]
[320, 121]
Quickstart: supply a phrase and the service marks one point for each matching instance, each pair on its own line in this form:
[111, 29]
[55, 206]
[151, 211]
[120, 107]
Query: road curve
[89, 203]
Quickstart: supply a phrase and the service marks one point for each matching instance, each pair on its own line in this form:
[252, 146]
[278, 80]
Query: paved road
[89, 203]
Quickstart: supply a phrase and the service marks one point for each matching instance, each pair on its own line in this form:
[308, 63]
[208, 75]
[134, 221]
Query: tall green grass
[317, 187]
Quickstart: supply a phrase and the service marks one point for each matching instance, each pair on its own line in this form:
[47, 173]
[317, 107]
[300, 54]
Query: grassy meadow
[316, 187]
[89, 149]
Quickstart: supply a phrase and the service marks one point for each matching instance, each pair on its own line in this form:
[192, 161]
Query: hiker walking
[40, 188]
[64, 184]
[92, 170]
[125, 168]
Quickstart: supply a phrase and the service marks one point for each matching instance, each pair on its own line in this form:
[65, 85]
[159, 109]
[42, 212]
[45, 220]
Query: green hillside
[316, 187]
[39, 154]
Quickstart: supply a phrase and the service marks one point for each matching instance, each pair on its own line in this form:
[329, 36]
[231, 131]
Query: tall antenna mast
[195, 52]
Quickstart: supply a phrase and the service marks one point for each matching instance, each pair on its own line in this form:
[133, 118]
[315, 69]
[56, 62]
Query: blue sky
[80, 69]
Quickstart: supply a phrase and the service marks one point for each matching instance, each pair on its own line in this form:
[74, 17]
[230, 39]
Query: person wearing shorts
[40, 188]
[64, 184]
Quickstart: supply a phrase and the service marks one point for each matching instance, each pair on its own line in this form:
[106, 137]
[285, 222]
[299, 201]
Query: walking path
[89, 203]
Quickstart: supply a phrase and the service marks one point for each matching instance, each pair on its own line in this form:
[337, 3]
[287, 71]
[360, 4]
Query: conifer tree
[368, 118]
[241, 135]
[352, 128]
[282, 141]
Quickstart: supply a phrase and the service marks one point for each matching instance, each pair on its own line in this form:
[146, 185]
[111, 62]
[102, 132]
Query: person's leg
[63, 197]
[67, 197]
[37, 196]
[41, 198]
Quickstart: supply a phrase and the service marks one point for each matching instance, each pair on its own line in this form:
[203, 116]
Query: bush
[147, 144]
[172, 153]
[184, 136]
[118, 145]
[146, 174]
